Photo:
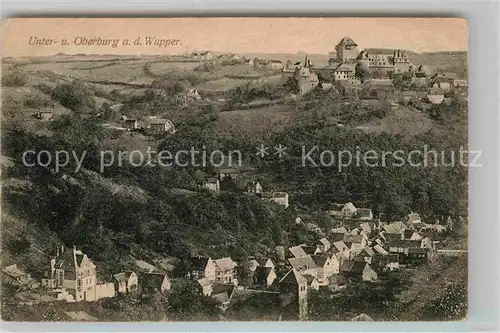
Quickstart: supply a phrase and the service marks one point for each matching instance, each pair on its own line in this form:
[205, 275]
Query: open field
[255, 121]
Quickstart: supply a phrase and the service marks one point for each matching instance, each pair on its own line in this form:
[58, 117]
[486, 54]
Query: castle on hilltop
[385, 62]
[346, 68]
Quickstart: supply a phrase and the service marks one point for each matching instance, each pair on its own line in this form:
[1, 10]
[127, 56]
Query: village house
[435, 227]
[131, 124]
[344, 72]
[73, 272]
[411, 235]
[394, 227]
[254, 187]
[326, 266]
[203, 56]
[260, 63]
[280, 198]
[355, 243]
[312, 282]
[160, 125]
[420, 79]
[368, 228]
[14, 276]
[249, 62]
[346, 210]
[409, 251]
[125, 282]
[337, 282]
[460, 84]
[385, 262]
[253, 264]
[449, 224]
[414, 221]
[154, 282]
[324, 244]
[223, 295]
[365, 255]
[225, 271]
[354, 81]
[228, 173]
[435, 95]
[212, 184]
[359, 270]
[264, 262]
[143, 266]
[202, 267]
[342, 248]
[275, 64]
[205, 286]
[191, 94]
[45, 114]
[265, 276]
[364, 214]
[339, 230]
[359, 231]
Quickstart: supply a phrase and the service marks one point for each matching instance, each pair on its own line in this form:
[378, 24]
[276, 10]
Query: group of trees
[375, 299]
[75, 96]
[14, 77]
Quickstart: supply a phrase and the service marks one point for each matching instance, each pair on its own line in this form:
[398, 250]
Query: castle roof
[345, 68]
[347, 41]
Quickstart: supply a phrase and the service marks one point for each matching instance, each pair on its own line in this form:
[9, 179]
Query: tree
[107, 113]
[74, 96]
[363, 72]
[14, 78]
[244, 273]
[187, 304]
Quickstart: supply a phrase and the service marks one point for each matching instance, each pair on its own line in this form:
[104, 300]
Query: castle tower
[401, 62]
[346, 50]
[363, 59]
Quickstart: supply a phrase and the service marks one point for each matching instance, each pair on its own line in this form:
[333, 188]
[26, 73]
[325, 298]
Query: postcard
[234, 169]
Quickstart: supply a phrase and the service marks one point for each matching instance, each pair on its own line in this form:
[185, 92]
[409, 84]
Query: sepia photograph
[234, 169]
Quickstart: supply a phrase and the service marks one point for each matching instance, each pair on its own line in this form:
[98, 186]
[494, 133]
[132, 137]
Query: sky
[241, 35]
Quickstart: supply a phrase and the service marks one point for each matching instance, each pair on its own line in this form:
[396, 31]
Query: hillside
[126, 211]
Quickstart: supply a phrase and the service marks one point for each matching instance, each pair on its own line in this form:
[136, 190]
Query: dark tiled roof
[261, 273]
[199, 263]
[320, 260]
[120, 277]
[152, 280]
[356, 267]
[293, 277]
[347, 41]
